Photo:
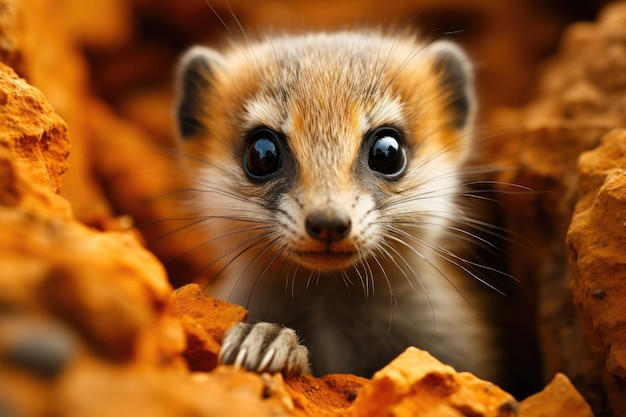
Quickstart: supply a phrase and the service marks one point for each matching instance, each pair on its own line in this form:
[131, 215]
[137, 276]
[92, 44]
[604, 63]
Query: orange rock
[205, 320]
[581, 97]
[35, 136]
[328, 395]
[66, 292]
[60, 71]
[214, 315]
[416, 384]
[85, 321]
[95, 388]
[559, 398]
[596, 242]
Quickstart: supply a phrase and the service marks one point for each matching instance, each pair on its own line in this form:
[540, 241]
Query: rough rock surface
[205, 320]
[84, 311]
[557, 399]
[581, 96]
[417, 384]
[597, 238]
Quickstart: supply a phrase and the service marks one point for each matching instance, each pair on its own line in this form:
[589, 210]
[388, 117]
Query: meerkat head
[326, 149]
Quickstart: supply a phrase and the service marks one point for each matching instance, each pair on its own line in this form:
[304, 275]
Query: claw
[264, 347]
[267, 358]
[241, 357]
[225, 351]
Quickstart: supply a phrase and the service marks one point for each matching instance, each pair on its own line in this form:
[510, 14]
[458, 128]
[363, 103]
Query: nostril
[316, 226]
[314, 229]
[328, 226]
[341, 228]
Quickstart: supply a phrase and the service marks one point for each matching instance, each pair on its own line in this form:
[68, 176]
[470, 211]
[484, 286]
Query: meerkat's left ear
[195, 78]
[457, 77]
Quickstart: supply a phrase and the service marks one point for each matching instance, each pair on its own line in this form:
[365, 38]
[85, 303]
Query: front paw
[264, 347]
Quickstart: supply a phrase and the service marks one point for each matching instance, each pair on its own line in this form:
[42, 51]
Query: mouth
[327, 260]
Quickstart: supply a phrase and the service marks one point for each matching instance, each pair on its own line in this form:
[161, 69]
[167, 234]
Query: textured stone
[596, 242]
[580, 97]
[416, 384]
[35, 135]
[205, 320]
[559, 398]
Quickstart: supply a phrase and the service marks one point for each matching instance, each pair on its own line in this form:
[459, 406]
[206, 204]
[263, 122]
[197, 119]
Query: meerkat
[328, 173]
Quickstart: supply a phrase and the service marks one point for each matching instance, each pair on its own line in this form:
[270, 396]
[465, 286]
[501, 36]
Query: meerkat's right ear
[195, 78]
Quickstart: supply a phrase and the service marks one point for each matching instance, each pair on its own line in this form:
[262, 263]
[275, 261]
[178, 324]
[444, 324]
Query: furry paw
[264, 347]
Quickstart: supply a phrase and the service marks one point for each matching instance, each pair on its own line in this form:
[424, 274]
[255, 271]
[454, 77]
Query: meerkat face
[326, 149]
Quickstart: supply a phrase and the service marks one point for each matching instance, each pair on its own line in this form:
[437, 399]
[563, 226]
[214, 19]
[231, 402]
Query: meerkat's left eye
[387, 155]
[262, 157]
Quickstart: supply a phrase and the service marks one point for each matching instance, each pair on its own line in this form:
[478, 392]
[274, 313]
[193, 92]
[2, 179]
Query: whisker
[364, 284]
[198, 220]
[412, 54]
[347, 282]
[173, 231]
[258, 277]
[424, 291]
[371, 277]
[207, 242]
[377, 81]
[385, 247]
[247, 39]
[205, 217]
[392, 296]
[311, 275]
[218, 16]
[242, 247]
[454, 259]
[460, 233]
[435, 267]
[293, 280]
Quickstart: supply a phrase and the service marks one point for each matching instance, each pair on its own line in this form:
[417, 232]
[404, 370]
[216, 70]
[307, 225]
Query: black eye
[387, 154]
[262, 157]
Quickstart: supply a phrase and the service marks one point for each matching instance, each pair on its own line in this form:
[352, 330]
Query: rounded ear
[195, 79]
[457, 77]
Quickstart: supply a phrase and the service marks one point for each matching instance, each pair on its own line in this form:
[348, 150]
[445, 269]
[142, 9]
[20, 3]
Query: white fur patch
[386, 111]
[262, 111]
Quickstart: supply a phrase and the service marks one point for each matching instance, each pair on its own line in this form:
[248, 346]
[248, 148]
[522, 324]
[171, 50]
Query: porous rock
[581, 96]
[416, 384]
[44, 247]
[559, 398]
[86, 324]
[205, 320]
[37, 138]
[596, 242]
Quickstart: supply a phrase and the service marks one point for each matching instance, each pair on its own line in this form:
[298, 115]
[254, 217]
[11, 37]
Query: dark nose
[328, 225]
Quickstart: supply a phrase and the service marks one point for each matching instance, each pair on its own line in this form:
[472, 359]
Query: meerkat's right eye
[262, 158]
